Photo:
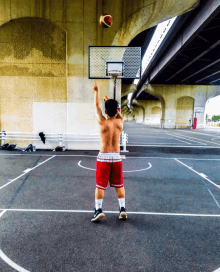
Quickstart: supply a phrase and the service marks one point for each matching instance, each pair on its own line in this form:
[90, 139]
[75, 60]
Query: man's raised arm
[119, 116]
[98, 110]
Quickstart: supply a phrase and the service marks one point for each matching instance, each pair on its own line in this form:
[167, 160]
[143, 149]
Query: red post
[195, 123]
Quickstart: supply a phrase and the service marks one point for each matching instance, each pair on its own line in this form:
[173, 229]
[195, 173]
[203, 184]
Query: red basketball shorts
[109, 169]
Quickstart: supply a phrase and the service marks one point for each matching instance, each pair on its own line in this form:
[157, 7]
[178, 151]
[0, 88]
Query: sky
[213, 106]
[159, 35]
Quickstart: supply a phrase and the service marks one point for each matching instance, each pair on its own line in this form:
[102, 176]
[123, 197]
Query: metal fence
[59, 138]
[213, 124]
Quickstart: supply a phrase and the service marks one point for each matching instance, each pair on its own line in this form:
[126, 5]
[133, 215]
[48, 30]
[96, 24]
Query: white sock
[121, 202]
[98, 204]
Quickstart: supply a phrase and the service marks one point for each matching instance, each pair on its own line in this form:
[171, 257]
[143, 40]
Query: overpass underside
[183, 75]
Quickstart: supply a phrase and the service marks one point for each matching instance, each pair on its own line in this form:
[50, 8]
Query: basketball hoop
[114, 62]
[114, 74]
[114, 69]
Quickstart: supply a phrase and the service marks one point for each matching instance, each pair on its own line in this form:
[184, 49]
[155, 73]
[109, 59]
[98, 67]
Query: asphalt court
[172, 199]
[152, 136]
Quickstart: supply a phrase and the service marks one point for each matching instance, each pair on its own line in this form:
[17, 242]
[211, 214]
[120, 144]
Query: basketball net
[114, 74]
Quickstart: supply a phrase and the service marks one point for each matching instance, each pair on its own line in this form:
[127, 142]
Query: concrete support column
[200, 98]
[153, 114]
[170, 117]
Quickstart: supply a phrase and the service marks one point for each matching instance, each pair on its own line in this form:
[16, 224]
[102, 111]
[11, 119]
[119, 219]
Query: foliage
[215, 117]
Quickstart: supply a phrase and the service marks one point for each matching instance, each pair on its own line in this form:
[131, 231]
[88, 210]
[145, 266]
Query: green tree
[214, 117]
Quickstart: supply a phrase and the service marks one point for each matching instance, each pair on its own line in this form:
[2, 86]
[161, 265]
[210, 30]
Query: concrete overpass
[184, 73]
[44, 83]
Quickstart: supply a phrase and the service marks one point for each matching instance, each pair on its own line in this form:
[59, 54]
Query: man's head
[111, 106]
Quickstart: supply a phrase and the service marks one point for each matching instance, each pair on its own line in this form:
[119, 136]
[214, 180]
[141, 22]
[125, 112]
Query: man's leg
[121, 199]
[102, 178]
[99, 194]
[120, 192]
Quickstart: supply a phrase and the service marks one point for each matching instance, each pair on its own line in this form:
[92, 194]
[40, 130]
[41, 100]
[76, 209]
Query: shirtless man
[109, 162]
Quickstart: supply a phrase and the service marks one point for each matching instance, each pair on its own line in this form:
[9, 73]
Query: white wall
[49, 118]
[72, 118]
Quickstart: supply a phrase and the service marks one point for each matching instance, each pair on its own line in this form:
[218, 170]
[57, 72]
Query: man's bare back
[110, 128]
[110, 131]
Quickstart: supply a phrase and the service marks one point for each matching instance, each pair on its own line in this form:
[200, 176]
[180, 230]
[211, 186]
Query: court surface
[172, 188]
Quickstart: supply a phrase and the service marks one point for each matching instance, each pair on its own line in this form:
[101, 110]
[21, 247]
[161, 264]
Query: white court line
[134, 135]
[11, 263]
[180, 141]
[184, 137]
[79, 164]
[196, 146]
[217, 270]
[42, 155]
[177, 137]
[202, 133]
[164, 138]
[26, 172]
[216, 202]
[188, 137]
[115, 212]
[200, 174]
[133, 157]
[166, 158]
[6, 259]
[158, 144]
[3, 212]
[143, 135]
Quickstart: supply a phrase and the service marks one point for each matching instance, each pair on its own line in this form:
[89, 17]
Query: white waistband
[109, 157]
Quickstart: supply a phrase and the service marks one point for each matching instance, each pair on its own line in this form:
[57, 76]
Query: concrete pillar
[141, 110]
[184, 115]
[153, 112]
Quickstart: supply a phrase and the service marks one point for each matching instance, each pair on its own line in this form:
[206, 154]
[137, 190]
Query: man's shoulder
[119, 120]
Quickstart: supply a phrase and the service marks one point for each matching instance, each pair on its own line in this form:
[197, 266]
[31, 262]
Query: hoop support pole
[115, 88]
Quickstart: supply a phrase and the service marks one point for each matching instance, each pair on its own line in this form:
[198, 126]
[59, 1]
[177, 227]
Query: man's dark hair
[111, 106]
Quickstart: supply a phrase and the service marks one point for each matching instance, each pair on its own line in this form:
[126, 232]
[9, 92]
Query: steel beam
[208, 76]
[204, 68]
[203, 17]
[191, 62]
[202, 38]
[214, 81]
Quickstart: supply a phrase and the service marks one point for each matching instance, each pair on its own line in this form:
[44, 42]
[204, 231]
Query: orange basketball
[106, 20]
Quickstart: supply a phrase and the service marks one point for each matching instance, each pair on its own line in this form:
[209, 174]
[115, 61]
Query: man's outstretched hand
[105, 98]
[95, 87]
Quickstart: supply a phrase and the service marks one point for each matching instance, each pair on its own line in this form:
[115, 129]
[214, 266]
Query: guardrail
[59, 137]
[213, 124]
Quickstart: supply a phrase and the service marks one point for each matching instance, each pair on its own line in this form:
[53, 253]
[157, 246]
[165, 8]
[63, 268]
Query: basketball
[106, 20]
